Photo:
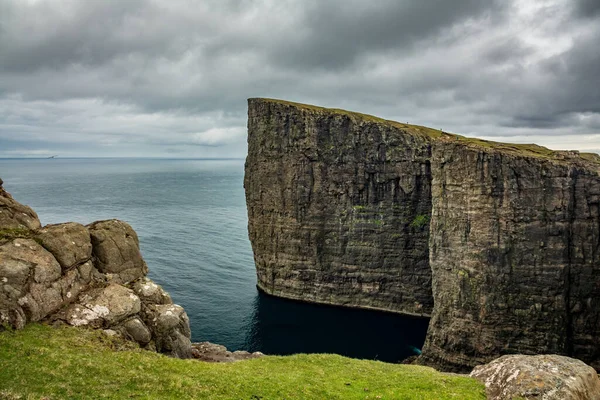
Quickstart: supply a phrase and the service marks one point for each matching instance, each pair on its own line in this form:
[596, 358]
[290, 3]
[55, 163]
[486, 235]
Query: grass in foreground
[44, 362]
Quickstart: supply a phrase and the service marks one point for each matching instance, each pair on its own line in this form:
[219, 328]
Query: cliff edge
[498, 243]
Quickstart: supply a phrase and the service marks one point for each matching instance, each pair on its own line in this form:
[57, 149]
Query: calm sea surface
[190, 216]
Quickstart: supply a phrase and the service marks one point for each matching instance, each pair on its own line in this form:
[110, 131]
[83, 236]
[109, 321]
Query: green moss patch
[9, 234]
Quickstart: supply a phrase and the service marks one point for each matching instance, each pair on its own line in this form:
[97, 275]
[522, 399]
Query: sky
[170, 78]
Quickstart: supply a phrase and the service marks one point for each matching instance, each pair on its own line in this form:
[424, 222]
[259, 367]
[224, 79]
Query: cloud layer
[170, 77]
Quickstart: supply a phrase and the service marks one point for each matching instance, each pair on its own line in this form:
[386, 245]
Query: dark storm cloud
[334, 34]
[587, 8]
[152, 77]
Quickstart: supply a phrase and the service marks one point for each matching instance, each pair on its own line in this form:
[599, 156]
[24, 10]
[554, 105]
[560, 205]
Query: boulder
[170, 328]
[116, 250]
[151, 293]
[21, 258]
[548, 377]
[104, 307]
[70, 243]
[135, 329]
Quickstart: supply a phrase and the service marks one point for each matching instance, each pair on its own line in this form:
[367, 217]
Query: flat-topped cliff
[498, 243]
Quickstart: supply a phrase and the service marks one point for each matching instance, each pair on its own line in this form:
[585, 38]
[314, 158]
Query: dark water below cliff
[191, 218]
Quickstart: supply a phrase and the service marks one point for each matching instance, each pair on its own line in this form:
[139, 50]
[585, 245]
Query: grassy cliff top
[60, 363]
[526, 150]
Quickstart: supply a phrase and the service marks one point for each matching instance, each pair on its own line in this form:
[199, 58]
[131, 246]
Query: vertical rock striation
[338, 206]
[515, 256]
[353, 210]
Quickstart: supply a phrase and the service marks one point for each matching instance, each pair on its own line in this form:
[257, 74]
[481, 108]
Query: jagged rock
[211, 352]
[117, 251]
[14, 215]
[353, 210]
[70, 243]
[151, 293]
[104, 307]
[170, 328]
[548, 377]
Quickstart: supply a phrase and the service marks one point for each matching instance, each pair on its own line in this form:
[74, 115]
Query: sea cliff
[498, 243]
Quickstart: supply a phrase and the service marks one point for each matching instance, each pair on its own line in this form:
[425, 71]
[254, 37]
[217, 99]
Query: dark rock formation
[515, 254]
[354, 210]
[338, 208]
[84, 276]
[548, 377]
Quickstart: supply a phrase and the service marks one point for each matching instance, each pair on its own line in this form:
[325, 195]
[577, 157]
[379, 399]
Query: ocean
[190, 216]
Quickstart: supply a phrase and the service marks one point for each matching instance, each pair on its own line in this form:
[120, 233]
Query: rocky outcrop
[499, 243]
[210, 352]
[548, 377]
[90, 276]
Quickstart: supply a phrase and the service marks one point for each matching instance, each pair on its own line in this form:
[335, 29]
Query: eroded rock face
[548, 377]
[117, 250]
[104, 307]
[514, 250]
[338, 208]
[357, 211]
[66, 273]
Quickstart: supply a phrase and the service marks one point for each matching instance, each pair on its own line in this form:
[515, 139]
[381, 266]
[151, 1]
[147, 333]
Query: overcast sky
[170, 78]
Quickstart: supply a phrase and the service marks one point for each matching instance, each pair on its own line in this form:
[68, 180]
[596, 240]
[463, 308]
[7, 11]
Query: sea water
[190, 216]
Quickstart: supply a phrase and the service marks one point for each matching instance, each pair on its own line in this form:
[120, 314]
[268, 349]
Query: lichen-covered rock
[170, 328]
[104, 307]
[548, 377]
[116, 250]
[70, 243]
[14, 215]
[151, 293]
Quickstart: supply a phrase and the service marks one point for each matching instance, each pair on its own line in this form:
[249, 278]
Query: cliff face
[338, 207]
[515, 257]
[84, 276]
[352, 210]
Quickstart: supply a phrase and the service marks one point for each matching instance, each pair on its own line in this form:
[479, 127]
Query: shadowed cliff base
[498, 242]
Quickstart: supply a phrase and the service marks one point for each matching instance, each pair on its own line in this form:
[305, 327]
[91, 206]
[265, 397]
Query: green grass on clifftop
[517, 149]
[68, 363]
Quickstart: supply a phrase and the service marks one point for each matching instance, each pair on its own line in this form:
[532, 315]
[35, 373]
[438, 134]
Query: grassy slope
[43, 362]
[526, 150]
